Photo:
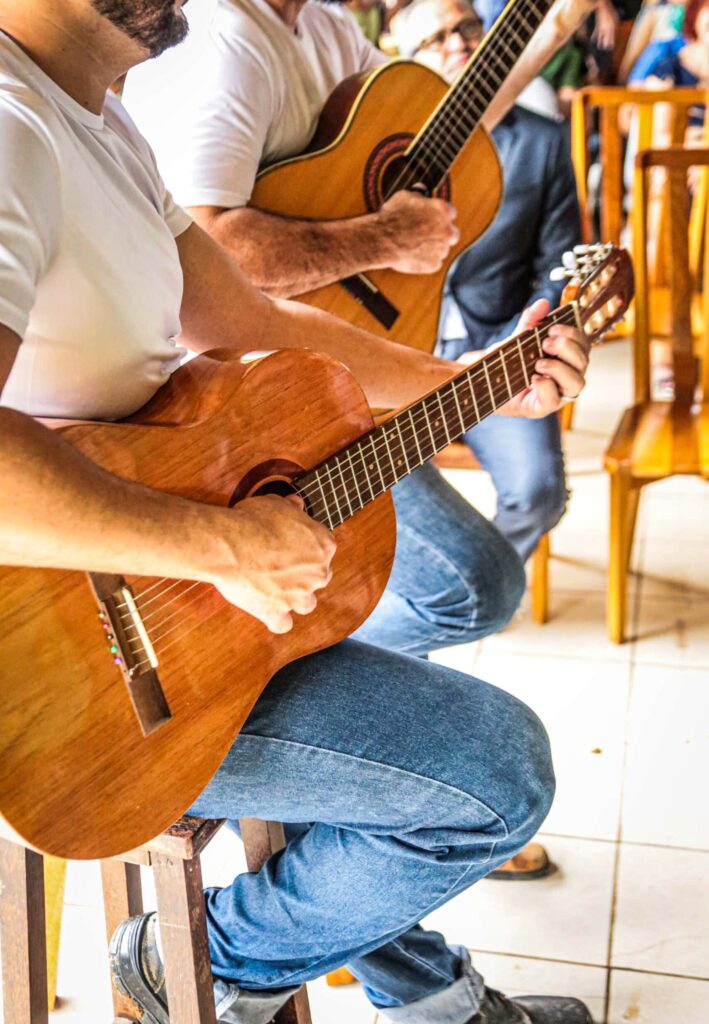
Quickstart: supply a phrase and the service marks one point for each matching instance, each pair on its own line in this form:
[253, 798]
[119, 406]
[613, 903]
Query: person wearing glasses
[505, 270]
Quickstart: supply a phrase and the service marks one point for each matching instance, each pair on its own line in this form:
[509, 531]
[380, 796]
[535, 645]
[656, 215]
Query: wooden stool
[174, 859]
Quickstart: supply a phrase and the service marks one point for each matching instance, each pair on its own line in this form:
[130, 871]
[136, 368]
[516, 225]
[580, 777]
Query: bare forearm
[221, 308]
[391, 375]
[287, 257]
[89, 518]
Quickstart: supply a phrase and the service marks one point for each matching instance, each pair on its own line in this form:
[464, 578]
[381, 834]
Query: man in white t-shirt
[245, 90]
[100, 273]
[248, 86]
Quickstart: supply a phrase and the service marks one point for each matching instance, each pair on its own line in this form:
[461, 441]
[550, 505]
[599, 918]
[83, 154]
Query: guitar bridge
[374, 301]
[128, 645]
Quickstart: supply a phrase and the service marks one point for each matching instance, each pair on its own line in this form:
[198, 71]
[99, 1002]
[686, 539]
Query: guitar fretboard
[434, 149]
[356, 475]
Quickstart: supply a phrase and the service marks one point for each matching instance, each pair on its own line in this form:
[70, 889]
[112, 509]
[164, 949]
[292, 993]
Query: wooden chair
[658, 439]
[603, 105]
[174, 860]
[459, 456]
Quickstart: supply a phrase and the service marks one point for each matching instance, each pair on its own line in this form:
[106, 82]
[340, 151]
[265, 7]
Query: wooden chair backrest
[683, 279]
[608, 100]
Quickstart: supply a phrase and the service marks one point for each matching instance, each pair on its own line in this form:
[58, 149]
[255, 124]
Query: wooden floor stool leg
[122, 898]
[540, 581]
[183, 930]
[54, 882]
[261, 839]
[23, 935]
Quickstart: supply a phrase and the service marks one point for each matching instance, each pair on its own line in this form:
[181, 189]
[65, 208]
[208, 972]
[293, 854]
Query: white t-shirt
[244, 90]
[90, 277]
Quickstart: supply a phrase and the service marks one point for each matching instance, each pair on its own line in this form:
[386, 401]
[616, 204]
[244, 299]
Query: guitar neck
[437, 145]
[360, 473]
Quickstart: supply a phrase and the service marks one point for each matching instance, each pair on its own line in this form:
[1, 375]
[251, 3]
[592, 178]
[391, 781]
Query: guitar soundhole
[280, 487]
[275, 476]
[388, 171]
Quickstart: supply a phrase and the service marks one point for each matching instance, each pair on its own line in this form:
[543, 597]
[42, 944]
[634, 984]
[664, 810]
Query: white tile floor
[624, 923]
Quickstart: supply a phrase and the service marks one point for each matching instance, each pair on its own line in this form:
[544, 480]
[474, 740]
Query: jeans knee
[551, 501]
[500, 596]
[530, 784]
[538, 782]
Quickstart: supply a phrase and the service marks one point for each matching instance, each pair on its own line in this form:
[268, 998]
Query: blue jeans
[455, 577]
[526, 463]
[418, 780]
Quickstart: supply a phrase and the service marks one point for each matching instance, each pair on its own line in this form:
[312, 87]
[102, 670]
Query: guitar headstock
[601, 282]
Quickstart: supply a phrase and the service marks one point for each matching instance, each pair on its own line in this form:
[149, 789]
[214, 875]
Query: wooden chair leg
[624, 498]
[183, 930]
[261, 839]
[54, 880]
[23, 936]
[122, 898]
[633, 503]
[566, 415]
[540, 581]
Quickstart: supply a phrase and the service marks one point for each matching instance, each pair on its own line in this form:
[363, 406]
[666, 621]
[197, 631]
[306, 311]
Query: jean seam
[415, 775]
[413, 921]
[388, 767]
[418, 959]
[444, 637]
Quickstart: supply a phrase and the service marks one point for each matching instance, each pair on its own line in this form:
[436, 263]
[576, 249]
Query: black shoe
[137, 967]
[497, 1009]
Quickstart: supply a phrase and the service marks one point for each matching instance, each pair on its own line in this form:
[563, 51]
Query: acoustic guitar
[402, 127]
[120, 697]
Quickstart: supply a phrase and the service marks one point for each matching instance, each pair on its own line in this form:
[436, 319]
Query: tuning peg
[581, 250]
[559, 274]
[569, 261]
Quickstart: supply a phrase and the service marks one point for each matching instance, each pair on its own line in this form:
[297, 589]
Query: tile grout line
[619, 833]
[585, 963]
[625, 842]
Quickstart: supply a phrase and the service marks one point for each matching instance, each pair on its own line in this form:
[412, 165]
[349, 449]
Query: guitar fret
[377, 464]
[489, 385]
[401, 444]
[443, 417]
[391, 458]
[354, 477]
[424, 406]
[326, 507]
[524, 365]
[469, 381]
[416, 439]
[334, 489]
[507, 379]
[454, 389]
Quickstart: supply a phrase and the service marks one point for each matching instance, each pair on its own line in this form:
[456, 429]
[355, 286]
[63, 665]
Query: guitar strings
[517, 380]
[514, 381]
[475, 375]
[320, 504]
[447, 119]
[441, 130]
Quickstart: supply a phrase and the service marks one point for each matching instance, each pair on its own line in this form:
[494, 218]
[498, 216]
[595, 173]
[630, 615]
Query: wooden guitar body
[78, 775]
[364, 128]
